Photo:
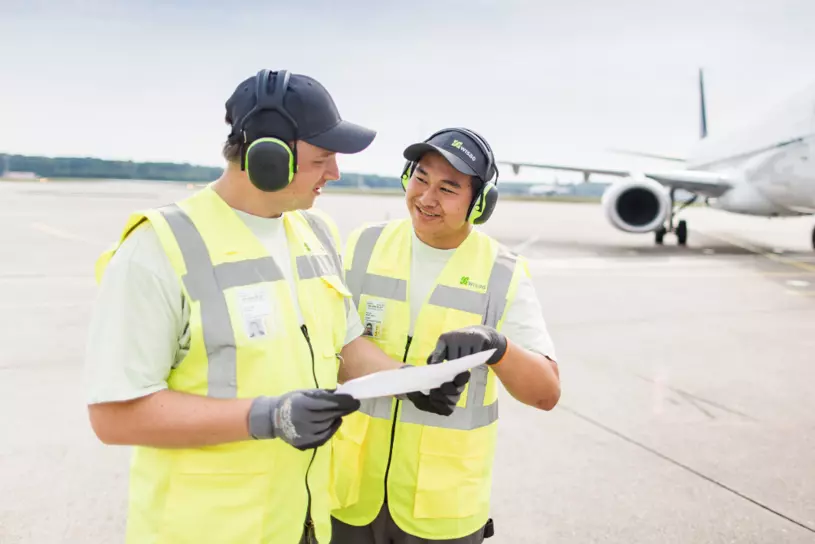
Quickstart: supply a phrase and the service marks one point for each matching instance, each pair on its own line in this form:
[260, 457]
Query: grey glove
[441, 400]
[304, 419]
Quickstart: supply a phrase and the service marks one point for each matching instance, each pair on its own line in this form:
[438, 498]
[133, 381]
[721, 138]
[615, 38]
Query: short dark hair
[231, 149]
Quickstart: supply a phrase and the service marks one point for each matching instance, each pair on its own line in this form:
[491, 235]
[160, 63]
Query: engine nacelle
[636, 204]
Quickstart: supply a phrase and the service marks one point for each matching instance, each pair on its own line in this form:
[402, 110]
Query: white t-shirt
[139, 325]
[524, 324]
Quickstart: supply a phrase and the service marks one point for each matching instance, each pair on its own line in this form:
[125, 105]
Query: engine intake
[636, 205]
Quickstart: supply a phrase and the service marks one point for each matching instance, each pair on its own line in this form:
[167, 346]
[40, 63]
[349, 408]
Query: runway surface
[687, 413]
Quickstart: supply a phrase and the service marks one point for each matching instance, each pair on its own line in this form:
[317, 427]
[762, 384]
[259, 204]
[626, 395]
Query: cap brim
[344, 138]
[414, 153]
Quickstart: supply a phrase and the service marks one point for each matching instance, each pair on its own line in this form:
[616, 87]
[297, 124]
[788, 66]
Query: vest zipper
[393, 424]
[309, 523]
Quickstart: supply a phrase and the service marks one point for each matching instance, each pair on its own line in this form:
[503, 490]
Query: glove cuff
[260, 417]
[502, 347]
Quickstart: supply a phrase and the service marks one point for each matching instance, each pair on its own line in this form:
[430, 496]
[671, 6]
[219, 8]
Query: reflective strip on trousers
[206, 283]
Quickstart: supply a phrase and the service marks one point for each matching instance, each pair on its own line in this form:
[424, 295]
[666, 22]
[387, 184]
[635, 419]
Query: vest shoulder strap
[135, 220]
[360, 249]
[327, 234]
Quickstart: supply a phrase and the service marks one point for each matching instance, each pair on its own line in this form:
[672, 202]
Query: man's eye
[420, 180]
[446, 190]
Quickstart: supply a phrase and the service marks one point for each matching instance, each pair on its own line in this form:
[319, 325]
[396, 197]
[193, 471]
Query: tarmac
[686, 415]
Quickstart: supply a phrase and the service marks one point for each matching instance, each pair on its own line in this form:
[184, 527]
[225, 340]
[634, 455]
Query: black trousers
[383, 530]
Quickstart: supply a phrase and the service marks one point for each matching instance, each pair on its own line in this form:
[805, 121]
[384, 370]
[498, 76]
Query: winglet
[702, 108]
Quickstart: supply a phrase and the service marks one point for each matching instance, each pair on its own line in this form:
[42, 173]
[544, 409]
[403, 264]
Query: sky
[542, 80]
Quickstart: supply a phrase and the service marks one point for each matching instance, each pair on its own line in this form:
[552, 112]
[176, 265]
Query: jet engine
[637, 204]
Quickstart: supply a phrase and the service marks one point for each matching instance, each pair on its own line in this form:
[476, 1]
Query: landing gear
[682, 233]
[813, 238]
[659, 235]
[681, 229]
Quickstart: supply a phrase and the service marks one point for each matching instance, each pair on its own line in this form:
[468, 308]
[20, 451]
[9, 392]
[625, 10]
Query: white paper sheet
[416, 378]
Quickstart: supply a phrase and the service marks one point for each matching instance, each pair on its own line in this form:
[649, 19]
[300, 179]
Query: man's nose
[429, 197]
[332, 170]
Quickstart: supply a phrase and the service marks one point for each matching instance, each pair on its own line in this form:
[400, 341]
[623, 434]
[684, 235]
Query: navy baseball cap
[310, 105]
[461, 151]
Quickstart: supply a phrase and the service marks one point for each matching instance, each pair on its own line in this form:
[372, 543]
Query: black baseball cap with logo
[461, 151]
[312, 108]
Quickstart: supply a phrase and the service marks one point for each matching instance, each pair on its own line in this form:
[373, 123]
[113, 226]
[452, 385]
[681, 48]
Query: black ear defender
[486, 199]
[268, 161]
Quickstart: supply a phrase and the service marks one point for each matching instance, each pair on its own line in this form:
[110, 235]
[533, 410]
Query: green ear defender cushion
[270, 164]
[407, 171]
[483, 205]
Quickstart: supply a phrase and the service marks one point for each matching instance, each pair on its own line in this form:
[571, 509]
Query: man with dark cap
[438, 289]
[216, 337]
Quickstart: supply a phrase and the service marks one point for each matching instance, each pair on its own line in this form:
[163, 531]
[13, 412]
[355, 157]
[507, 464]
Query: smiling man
[214, 337]
[434, 288]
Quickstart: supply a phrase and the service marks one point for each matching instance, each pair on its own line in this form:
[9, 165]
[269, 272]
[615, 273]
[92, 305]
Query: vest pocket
[226, 507]
[218, 493]
[346, 462]
[454, 474]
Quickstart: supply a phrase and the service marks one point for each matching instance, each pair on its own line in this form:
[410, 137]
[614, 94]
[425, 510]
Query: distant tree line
[90, 168]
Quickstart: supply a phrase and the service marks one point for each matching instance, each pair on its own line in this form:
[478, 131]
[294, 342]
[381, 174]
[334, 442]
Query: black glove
[468, 340]
[443, 399]
[305, 419]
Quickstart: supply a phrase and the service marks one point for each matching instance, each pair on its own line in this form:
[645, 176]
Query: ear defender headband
[485, 200]
[268, 161]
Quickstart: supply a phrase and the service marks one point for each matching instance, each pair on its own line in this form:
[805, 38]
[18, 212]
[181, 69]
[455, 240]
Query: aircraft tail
[702, 108]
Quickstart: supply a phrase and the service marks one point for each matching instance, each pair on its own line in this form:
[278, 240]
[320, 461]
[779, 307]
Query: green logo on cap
[457, 144]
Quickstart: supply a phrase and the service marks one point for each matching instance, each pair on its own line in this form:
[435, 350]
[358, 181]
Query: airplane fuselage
[776, 182]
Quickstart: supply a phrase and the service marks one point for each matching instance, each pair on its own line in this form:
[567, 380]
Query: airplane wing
[711, 184]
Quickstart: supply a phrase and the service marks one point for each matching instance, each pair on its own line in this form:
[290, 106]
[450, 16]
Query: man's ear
[475, 186]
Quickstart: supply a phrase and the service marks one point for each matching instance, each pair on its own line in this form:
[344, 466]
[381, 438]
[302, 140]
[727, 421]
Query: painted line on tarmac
[685, 467]
[520, 248]
[771, 255]
[57, 233]
[800, 293]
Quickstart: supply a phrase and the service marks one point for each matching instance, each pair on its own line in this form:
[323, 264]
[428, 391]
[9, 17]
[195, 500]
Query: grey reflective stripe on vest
[314, 266]
[206, 283]
[235, 274]
[378, 407]
[200, 281]
[327, 240]
[473, 416]
[490, 305]
[498, 286]
[358, 276]
[458, 299]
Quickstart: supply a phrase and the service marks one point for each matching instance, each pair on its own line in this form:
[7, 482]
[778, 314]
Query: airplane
[766, 170]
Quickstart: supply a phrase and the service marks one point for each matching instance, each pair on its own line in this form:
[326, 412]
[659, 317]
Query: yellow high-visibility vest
[252, 491]
[436, 470]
